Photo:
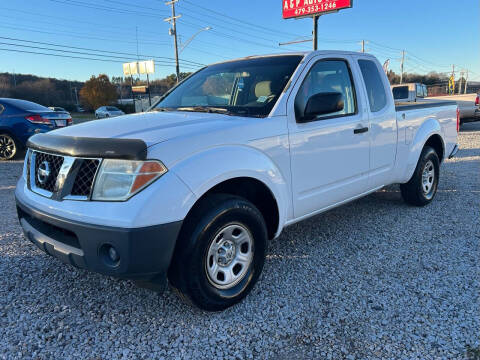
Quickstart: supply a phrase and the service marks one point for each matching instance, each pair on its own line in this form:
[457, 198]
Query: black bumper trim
[145, 253]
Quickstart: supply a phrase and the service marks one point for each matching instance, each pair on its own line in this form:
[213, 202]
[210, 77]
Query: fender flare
[204, 170]
[429, 127]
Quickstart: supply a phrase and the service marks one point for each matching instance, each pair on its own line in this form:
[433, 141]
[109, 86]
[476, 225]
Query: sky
[434, 34]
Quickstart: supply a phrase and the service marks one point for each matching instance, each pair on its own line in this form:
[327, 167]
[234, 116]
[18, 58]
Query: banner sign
[130, 68]
[146, 67]
[304, 8]
[140, 67]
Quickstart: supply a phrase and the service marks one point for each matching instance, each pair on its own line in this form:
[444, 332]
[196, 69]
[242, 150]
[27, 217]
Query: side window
[327, 76]
[376, 93]
[425, 91]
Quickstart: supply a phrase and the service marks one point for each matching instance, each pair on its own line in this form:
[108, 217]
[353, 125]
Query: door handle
[360, 130]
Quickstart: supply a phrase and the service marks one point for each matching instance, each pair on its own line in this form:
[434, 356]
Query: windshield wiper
[208, 109]
[163, 109]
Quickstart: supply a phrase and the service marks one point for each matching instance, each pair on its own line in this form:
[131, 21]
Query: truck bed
[404, 106]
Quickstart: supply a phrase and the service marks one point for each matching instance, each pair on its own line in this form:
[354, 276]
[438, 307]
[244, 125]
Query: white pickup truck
[195, 188]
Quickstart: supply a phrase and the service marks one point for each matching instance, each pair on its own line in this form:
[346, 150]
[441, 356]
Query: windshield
[247, 87]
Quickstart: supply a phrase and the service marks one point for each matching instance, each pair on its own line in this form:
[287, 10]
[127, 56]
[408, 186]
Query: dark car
[20, 119]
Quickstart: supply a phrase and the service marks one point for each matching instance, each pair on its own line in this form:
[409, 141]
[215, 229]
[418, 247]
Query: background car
[108, 111]
[20, 119]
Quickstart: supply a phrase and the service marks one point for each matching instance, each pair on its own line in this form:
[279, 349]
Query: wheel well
[435, 141]
[257, 193]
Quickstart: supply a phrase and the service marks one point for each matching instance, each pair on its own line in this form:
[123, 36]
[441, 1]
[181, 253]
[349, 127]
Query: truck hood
[151, 127]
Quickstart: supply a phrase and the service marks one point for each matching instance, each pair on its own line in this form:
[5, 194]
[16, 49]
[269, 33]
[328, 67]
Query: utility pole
[173, 32]
[363, 46]
[401, 67]
[315, 32]
[76, 95]
[466, 82]
[136, 35]
[453, 77]
[14, 79]
[71, 91]
[460, 83]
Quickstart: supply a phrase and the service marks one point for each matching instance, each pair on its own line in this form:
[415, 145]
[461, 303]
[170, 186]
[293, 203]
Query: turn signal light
[38, 119]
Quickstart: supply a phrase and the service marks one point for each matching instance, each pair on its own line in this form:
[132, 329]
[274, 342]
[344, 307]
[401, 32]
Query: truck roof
[301, 53]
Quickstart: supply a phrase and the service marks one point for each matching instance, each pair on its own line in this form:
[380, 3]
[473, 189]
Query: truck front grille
[84, 179]
[50, 163]
[61, 177]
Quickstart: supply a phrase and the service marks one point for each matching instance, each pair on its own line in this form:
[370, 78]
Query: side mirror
[321, 104]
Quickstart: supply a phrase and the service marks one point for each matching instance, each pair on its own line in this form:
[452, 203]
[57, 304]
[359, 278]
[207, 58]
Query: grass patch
[473, 353]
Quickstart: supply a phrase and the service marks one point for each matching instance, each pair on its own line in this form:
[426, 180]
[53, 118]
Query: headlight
[118, 180]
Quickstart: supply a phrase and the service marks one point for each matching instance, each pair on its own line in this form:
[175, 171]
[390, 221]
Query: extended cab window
[327, 76]
[374, 85]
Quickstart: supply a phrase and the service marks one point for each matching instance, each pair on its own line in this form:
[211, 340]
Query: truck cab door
[329, 153]
[383, 122]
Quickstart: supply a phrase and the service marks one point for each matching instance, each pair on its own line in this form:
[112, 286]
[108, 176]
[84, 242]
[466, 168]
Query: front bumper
[144, 254]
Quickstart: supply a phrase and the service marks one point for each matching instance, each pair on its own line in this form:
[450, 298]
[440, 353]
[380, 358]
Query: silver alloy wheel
[8, 149]
[428, 179]
[229, 256]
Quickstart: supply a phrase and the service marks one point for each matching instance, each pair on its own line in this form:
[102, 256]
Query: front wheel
[220, 252]
[422, 187]
[8, 147]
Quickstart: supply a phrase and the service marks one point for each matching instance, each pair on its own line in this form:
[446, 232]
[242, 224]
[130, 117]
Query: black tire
[9, 147]
[413, 192]
[188, 271]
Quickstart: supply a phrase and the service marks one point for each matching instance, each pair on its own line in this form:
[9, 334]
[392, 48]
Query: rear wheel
[220, 252]
[8, 147]
[422, 187]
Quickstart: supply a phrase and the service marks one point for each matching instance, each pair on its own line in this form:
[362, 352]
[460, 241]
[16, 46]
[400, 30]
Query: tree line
[101, 90]
[97, 91]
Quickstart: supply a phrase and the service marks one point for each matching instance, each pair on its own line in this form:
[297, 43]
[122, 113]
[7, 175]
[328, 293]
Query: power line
[62, 19]
[242, 24]
[103, 8]
[76, 35]
[124, 59]
[68, 56]
[129, 5]
[221, 34]
[115, 33]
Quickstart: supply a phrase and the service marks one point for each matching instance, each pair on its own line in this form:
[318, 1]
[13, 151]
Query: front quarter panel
[203, 170]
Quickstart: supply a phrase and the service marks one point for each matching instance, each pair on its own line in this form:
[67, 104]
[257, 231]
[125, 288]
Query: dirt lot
[371, 279]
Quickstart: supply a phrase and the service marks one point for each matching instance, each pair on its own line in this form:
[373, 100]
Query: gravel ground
[372, 279]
